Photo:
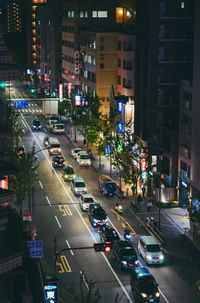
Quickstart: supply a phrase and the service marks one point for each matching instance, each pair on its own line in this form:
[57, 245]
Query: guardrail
[152, 226]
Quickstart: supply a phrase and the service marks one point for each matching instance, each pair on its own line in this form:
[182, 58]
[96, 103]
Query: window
[99, 14]
[182, 4]
[119, 45]
[101, 39]
[101, 47]
[119, 62]
[101, 65]
[101, 56]
[85, 74]
[83, 14]
[89, 59]
[119, 80]
[70, 14]
[94, 14]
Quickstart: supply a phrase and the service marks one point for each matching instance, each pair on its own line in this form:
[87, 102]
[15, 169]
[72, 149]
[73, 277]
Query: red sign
[143, 164]
[4, 183]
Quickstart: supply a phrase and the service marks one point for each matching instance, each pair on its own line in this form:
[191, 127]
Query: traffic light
[2, 85]
[33, 90]
[102, 247]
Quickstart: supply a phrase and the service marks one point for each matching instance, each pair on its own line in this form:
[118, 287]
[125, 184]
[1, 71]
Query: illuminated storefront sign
[120, 107]
[80, 101]
[108, 149]
[120, 127]
[4, 183]
[51, 291]
[60, 91]
[143, 164]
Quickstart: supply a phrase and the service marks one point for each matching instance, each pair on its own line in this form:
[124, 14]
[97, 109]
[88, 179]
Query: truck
[49, 107]
[107, 185]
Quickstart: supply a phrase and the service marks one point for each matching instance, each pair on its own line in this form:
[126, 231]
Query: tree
[64, 107]
[25, 175]
[92, 295]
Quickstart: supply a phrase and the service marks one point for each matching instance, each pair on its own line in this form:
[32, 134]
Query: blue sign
[120, 127]
[51, 291]
[108, 149]
[120, 107]
[21, 104]
[35, 249]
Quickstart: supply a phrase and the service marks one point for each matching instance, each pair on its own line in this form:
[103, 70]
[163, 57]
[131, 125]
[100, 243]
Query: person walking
[139, 199]
[149, 205]
[143, 191]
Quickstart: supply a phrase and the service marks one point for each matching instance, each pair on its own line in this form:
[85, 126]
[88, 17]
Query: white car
[75, 151]
[58, 128]
[85, 200]
[83, 159]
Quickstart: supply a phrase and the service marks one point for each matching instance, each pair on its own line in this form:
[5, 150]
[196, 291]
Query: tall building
[164, 56]
[15, 16]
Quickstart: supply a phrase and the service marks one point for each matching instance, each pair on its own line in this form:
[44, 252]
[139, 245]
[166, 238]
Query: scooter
[119, 208]
[127, 235]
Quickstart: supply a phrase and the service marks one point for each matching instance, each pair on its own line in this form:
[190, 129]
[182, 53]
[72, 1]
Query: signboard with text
[51, 291]
[120, 107]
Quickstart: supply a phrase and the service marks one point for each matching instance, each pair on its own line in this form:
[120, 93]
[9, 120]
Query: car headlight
[124, 262]
[149, 257]
[157, 294]
[96, 221]
[143, 295]
[161, 257]
[136, 262]
[106, 220]
[33, 126]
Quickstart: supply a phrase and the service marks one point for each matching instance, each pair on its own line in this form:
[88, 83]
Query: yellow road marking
[124, 223]
[65, 210]
[64, 265]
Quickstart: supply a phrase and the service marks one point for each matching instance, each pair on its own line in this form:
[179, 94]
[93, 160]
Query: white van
[149, 249]
[54, 146]
[58, 128]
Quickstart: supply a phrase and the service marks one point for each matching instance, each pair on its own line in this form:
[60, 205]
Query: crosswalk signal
[102, 247]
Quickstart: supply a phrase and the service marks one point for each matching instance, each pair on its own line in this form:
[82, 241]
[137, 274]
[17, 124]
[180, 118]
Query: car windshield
[58, 126]
[53, 118]
[85, 157]
[80, 184]
[60, 159]
[69, 170]
[36, 122]
[88, 200]
[128, 252]
[55, 145]
[77, 150]
[153, 248]
[110, 185]
[111, 235]
[147, 282]
[100, 214]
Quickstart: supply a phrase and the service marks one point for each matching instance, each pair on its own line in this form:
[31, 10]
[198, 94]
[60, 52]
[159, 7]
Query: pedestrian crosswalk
[33, 108]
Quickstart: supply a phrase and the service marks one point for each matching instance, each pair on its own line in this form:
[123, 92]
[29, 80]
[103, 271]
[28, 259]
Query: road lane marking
[65, 264]
[41, 184]
[65, 210]
[48, 201]
[20, 139]
[84, 279]
[58, 222]
[124, 223]
[71, 251]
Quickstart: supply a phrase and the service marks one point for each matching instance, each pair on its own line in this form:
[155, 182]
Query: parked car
[36, 125]
[83, 159]
[58, 161]
[68, 173]
[144, 286]
[85, 200]
[75, 151]
[78, 186]
[107, 185]
[125, 254]
[97, 215]
[150, 250]
[58, 128]
[108, 234]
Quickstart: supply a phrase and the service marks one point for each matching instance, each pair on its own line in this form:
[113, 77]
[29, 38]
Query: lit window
[81, 14]
[102, 14]
[85, 74]
[70, 14]
[94, 14]
[182, 4]
[89, 59]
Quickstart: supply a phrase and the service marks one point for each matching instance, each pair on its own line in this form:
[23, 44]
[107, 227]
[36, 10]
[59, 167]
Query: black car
[97, 215]
[36, 125]
[58, 161]
[144, 286]
[108, 234]
[125, 254]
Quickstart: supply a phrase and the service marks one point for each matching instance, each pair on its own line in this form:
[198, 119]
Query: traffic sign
[51, 290]
[21, 104]
[35, 249]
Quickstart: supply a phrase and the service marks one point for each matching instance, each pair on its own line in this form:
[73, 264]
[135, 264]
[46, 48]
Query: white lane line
[71, 251]
[41, 184]
[81, 273]
[58, 222]
[24, 147]
[82, 219]
[20, 139]
[48, 201]
[23, 123]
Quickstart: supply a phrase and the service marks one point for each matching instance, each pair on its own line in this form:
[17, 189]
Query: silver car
[78, 186]
[75, 151]
[85, 200]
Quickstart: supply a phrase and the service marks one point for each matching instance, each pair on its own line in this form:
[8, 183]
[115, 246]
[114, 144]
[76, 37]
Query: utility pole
[55, 255]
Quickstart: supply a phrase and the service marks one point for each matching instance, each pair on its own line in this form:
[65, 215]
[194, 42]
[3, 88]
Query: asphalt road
[57, 213]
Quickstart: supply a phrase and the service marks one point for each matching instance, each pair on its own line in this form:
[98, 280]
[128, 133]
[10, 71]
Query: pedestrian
[139, 199]
[143, 191]
[149, 205]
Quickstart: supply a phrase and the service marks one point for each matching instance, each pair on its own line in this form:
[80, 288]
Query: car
[75, 151]
[78, 186]
[53, 119]
[85, 200]
[46, 141]
[58, 128]
[58, 161]
[144, 286]
[36, 125]
[83, 159]
[54, 146]
[97, 215]
[68, 173]
[108, 234]
[150, 250]
[125, 254]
